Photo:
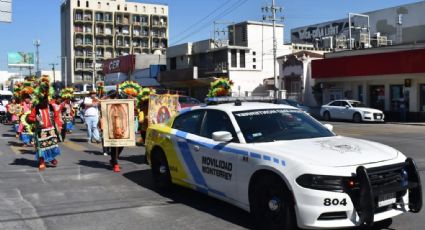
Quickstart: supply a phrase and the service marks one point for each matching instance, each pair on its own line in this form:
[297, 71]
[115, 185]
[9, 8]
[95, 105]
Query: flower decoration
[67, 93]
[220, 88]
[42, 90]
[145, 93]
[129, 88]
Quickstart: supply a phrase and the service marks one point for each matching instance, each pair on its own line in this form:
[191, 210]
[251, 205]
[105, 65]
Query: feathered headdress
[43, 90]
[27, 87]
[100, 88]
[144, 94]
[220, 88]
[129, 88]
[67, 93]
[17, 87]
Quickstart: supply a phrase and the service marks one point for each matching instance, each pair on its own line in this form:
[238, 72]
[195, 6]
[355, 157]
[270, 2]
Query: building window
[154, 10]
[125, 8]
[377, 97]
[254, 53]
[78, 3]
[87, 3]
[173, 63]
[396, 97]
[254, 66]
[242, 58]
[99, 5]
[135, 8]
[254, 60]
[233, 58]
[244, 34]
[422, 98]
[118, 7]
[162, 11]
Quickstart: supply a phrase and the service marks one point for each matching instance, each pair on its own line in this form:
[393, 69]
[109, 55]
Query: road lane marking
[72, 145]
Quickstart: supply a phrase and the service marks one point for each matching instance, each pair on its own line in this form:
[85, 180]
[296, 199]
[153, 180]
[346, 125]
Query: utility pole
[273, 9]
[37, 44]
[54, 76]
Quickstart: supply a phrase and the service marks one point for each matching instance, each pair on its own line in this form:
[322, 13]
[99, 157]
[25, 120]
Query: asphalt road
[83, 192]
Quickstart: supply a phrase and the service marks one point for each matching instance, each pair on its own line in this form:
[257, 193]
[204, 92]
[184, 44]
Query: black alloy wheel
[272, 207]
[327, 116]
[357, 118]
[160, 170]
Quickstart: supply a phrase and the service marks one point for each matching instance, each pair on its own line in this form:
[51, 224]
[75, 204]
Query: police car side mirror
[329, 127]
[222, 136]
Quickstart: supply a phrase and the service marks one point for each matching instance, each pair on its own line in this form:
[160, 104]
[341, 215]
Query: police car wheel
[160, 170]
[272, 207]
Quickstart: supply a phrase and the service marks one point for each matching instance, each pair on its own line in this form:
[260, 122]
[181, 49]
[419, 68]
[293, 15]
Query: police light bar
[222, 100]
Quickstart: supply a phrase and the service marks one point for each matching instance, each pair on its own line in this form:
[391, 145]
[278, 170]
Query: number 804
[334, 202]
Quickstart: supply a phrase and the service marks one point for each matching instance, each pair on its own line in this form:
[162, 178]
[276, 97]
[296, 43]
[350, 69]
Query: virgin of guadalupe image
[118, 118]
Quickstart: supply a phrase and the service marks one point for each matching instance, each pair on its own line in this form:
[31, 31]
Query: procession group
[41, 118]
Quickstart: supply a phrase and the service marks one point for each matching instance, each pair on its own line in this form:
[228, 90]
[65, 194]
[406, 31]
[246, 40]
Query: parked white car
[350, 110]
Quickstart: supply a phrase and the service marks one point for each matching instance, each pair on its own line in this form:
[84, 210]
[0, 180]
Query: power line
[190, 28]
[203, 26]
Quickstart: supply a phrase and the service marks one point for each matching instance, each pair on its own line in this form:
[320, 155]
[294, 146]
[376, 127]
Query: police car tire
[162, 180]
[265, 190]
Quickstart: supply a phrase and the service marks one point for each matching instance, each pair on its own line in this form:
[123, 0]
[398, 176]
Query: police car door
[216, 160]
[187, 130]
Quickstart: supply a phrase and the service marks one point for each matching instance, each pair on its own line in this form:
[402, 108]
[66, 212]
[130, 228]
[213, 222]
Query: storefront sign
[123, 64]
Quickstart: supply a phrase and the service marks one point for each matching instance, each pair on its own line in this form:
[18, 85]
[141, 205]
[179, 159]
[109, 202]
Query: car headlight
[366, 112]
[326, 183]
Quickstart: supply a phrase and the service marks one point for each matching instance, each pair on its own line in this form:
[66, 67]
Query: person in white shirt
[91, 117]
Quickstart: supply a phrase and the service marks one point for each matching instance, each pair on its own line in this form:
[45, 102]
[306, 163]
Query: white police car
[283, 166]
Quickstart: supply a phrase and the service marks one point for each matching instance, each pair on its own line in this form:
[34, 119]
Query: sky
[189, 20]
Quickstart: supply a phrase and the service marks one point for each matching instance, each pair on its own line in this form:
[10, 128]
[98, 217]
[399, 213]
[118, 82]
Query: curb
[400, 123]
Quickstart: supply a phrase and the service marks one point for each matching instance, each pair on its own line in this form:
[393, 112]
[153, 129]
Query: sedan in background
[186, 101]
[350, 110]
[294, 104]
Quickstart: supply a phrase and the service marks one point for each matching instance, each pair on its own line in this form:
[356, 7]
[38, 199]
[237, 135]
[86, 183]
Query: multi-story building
[246, 58]
[92, 31]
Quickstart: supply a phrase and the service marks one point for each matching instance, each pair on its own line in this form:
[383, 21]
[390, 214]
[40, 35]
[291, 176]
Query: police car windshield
[278, 124]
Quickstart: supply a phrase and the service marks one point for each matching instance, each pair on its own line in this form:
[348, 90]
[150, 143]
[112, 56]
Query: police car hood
[334, 151]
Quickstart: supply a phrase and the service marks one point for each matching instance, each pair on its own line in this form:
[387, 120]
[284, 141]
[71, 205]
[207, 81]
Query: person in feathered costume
[67, 112]
[27, 130]
[15, 108]
[45, 118]
[100, 89]
[26, 93]
[143, 99]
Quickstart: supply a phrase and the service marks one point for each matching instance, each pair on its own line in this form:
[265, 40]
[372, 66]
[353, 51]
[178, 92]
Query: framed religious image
[162, 107]
[118, 122]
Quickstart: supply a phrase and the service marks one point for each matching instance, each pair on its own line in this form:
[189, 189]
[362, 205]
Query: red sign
[123, 64]
[377, 64]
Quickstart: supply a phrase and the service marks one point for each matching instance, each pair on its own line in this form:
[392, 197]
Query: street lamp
[37, 44]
